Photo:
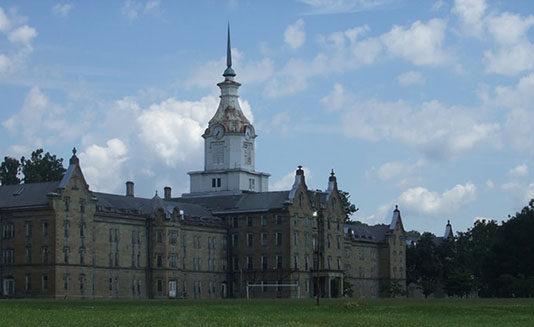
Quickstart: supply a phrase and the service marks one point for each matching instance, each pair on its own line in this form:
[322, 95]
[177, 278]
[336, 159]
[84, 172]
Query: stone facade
[63, 240]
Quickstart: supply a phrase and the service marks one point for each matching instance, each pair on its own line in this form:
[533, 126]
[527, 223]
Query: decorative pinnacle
[396, 207]
[74, 151]
[229, 72]
[332, 172]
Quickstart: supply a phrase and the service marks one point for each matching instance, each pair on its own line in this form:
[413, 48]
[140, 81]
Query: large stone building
[63, 240]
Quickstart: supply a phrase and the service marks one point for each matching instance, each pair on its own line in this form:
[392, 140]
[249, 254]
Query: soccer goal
[262, 286]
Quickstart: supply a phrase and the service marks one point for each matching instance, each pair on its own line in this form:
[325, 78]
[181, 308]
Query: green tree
[9, 170]
[42, 168]
[347, 206]
[423, 264]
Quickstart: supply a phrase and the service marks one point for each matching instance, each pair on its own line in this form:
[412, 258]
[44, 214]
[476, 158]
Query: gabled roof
[25, 195]
[245, 202]
[362, 232]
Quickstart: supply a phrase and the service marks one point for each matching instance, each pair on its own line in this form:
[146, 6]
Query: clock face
[218, 131]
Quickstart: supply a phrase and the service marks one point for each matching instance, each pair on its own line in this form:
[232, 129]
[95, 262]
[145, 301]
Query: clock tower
[229, 146]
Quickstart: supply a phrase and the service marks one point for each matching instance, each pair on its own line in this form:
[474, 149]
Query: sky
[424, 104]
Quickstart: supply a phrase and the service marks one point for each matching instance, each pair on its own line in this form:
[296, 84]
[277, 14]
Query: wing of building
[64, 240]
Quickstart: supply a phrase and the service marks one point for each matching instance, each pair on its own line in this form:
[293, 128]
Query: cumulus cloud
[337, 98]
[294, 35]
[411, 78]
[285, 182]
[436, 130]
[15, 52]
[471, 15]
[514, 53]
[23, 35]
[421, 43]
[395, 170]
[102, 165]
[519, 171]
[40, 121]
[425, 202]
[62, 9]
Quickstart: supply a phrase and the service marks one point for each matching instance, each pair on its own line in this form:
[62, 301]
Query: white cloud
[395, 169]
[519, 171]
[294, 35]
[425, 202]
[434, 129]
[337, 98]
[411, 78]
[62, 9]
[322, 7]
[102, 165]
[134, 9]
[40, 122]
[23, 35]
[514, 52]
[490, 184]
[5, 22]
[471, 14]
[5, 64]
[421, 43]
[286, 182]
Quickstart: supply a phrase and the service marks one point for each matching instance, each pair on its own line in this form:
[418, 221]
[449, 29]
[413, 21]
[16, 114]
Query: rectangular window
[235, 240]
[264, 221]
[28, 229]
[218, 182]
[45, 229]
[295, 238]
[278, 239]
[249, 221]
[82, 205]
[307, 262]
[173, 237]
[82, 256]
[236, 222]
[296, 262]
[44, 282]
[250, 238]
[66, 254]
[264, 263]
[160, 286]
[66, 201]
[338, 242]
[278, 262]
[28, 283]
[263, 239]
[82, 229]
[338, 263]
[159, 260]
[251, 184]
[236, 263]
[28, 254]
[278, 219]
[329, 262]
[44, 255]
[250, 264]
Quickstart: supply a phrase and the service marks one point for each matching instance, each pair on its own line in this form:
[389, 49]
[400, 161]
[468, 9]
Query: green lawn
[385, 312]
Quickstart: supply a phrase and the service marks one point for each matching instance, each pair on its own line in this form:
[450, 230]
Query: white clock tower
[229, 158]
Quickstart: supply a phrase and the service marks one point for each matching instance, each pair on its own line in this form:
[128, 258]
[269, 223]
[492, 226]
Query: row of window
[264, 239]
[266, 264]
[66, 229]
[172, 262]
[8, 255]
[250, 220]
[66, 202]
[8, 230]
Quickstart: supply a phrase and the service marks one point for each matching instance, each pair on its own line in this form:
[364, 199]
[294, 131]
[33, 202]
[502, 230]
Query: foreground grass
[384, 312]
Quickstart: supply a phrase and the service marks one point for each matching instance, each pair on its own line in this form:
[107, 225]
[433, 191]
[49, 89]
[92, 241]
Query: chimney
[167, 192]
[130, 188]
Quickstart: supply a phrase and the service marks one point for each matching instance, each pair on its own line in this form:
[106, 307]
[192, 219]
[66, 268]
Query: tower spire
[229, 72]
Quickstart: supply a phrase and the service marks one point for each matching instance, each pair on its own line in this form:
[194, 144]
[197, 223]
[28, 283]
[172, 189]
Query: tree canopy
[38, 168]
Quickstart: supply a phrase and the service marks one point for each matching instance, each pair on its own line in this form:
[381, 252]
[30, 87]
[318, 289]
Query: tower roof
[228, 72]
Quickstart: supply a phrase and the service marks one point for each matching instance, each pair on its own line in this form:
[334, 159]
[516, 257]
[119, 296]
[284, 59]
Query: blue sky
[425, 104]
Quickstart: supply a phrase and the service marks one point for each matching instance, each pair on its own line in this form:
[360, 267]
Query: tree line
[39, 167]
[490, 259]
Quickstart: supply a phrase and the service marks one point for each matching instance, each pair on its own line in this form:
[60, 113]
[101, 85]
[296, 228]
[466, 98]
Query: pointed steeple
[332, 182]
[229, 72]
[448, 230]
[74, 159]
[396, 219]
[299, 180]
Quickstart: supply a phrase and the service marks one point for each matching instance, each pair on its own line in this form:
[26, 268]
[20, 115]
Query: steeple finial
[229, 72]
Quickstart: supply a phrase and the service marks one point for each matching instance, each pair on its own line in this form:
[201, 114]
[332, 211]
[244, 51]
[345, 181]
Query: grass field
[385, 312]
